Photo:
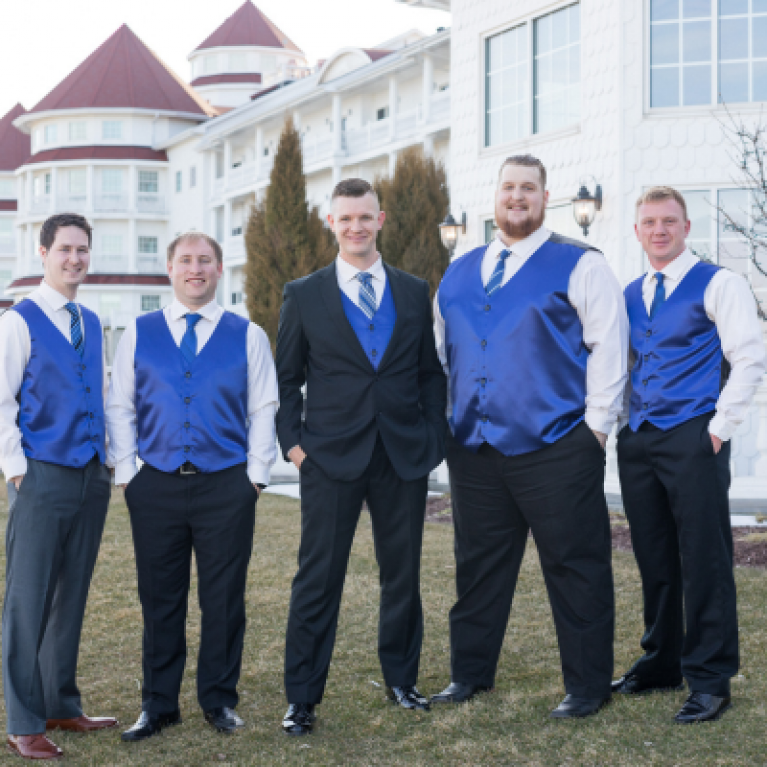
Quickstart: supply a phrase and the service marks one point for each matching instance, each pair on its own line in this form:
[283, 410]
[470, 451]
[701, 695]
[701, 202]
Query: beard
[521, 230]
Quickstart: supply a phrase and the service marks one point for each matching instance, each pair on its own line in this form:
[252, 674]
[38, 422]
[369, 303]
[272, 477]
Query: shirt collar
[348, 272]
[677, 268]
[209, 311]
[52, 297]
[524, 248]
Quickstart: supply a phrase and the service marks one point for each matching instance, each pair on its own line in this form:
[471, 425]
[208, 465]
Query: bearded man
[533, 333]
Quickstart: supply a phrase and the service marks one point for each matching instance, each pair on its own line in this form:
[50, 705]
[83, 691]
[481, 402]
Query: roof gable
[123, 73]
[248, 26]
[15, 146]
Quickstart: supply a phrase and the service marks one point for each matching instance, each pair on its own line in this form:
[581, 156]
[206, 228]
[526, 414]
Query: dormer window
[78, 130]
[51, 134]
[209, 64]
[238, 62]
[112, 129]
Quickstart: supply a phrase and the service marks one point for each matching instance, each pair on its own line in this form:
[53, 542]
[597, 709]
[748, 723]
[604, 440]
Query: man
[691, 322]
[532, 329]
[52, 385]
[358, 334]
[193, 395]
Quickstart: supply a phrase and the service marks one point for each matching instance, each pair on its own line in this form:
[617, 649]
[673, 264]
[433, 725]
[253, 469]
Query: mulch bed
[750, 543]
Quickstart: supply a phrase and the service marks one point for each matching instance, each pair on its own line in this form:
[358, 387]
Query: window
[238, 62]
[148, 181]
[147, 245]
[178, 180]
[7, 240]
[237, 297]
[560, 219]
[111, 244]
[150, 303]
[702, 215]
[111, 181]
[109, 304]
[193, 176]
[7, 189]
[236, 231]
[78, 131]
[6, 277]
[490, 229]
[544, 52]
[382, 114]
[51, 134]
[111, 129]
[687, 37]
[209, 64]
[76, 182]
[47, 184]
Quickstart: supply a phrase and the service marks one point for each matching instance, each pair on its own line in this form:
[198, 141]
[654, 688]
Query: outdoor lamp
[449, 230]
[585, 207]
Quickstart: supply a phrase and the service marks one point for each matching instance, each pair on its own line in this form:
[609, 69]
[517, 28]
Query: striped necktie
[189, 341]
[496, 278]
[367, 294]
[660, 295]
[75, 328]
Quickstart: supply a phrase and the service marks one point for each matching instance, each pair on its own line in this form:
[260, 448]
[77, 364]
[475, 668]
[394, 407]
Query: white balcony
[219, 185]
[234, 247]
[406, 123]
[110, 202]
[41, 204]
[265, 167]
[440, 108]
[150, 264]
[150, 203]
[372, 136]
[7, 246]
[74, 203]
[108, 264]
[243, 175]
[317, 150]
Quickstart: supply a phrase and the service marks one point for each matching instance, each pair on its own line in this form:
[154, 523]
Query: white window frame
[150, 303]
[192, 176]
[150, 181]
[112, 245]
[78, 130]
[148, 245]
[178, 183]
[51, 134]
[113, 174]
[112, 130]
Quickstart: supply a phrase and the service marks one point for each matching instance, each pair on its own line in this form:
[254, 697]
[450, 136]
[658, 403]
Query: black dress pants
[558, 493]
[330, 510]
[172, 515]
[675, 496]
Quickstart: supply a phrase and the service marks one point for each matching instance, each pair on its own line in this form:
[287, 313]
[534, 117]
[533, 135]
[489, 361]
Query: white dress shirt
[262, 394]
[15, 350]
[596, 296]
[730, 305]
[348, 282]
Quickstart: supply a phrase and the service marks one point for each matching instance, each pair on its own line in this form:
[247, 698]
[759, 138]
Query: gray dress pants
[52, 541]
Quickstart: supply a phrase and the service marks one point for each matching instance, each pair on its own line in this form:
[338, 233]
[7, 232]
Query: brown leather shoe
[34, 747]
[81, 723]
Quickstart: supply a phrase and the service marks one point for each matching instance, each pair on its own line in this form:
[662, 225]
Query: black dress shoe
[631, 684]
[573, 707]
[224, 719]
[408, 697]
[150, 724]
[458, 692]
[299, 719]
[702, 707]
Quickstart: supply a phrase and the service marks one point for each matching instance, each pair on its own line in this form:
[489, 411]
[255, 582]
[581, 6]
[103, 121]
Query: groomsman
[193, 394]
[693, 324]
[359, 334]
[532, 330]
[52, 386]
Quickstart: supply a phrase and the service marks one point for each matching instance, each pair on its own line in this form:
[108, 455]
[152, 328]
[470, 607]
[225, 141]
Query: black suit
[369, 435]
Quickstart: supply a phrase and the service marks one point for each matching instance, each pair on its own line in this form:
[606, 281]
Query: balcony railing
[108, 264]
[41, 203]
[440, 107]
[71, 202]
[373, 135]
[150, 203]
[7, 246]
[242, 175]
[150, 264]
[108, 202]
[317, 150]
[265, 167]
[234, 247]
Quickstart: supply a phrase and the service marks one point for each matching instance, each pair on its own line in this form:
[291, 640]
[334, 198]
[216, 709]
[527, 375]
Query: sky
[42, 41]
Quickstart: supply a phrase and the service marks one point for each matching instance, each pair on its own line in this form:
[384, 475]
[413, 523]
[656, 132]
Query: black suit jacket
[348, 403]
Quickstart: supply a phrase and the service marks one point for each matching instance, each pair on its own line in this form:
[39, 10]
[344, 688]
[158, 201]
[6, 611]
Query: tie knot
[192, 320]
[504, 254]
[71, 307]
[659, 276]
[364, 277]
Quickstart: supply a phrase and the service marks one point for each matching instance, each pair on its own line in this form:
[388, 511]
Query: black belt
[187, 468]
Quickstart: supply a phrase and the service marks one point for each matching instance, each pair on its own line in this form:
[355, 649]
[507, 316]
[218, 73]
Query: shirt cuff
[258, 473]
[720, 427]
[599, 420]
[15, 466]
[125, 471]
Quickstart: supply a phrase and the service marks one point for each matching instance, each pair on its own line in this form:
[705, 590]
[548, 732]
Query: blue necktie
[367, 294]
[496, 278]
[75, 328]
[189, 341]
[660, 295]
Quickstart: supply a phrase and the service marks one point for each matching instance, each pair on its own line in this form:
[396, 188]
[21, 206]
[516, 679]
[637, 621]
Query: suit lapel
[400, 306]
[331, 295]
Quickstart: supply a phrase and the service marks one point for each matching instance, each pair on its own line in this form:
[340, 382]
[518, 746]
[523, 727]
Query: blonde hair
[659, 194]
[195, 237]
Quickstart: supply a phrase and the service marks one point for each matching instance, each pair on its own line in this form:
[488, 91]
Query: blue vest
[61, 402]
[677, 373]
[375, 334]
[517, 359]
[197, 412]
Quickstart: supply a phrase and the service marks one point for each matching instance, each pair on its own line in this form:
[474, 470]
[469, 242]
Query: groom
[358, 333]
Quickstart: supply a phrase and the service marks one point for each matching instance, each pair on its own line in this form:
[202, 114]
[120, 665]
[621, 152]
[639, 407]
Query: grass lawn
[356, 726]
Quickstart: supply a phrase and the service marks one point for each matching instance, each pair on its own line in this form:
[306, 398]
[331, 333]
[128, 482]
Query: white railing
[41, 203]
[265, 167]
[241, 176]
[107, 202]
[72, 202]
[317, 150]
[150, 264]
[108, 264]
[372, 136]
[7, 246]
[440, 107]
[234, 247]
[150, 203]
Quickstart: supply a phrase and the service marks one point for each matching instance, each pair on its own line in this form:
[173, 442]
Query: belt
[187, 468]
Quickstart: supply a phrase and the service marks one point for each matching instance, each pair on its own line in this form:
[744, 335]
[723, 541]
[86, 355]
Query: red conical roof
[123, 73]
[248, 26]
[15, 146]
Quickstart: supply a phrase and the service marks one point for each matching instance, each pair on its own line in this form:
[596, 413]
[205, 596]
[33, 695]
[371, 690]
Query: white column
[428, 88]
[132, 189]
[336, 173]
[428, 145]
[392, 163]
[337, 134]
[90, 188]
[54, 208]
[30, 189]
[132, 246]
[227, 225]
[259, 150]
[30, 255]
[227, 159]
[392, 107]
[297, 120]
[228, 286]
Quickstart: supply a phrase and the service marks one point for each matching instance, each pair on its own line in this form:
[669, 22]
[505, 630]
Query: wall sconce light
[586, 205]
[449, 230]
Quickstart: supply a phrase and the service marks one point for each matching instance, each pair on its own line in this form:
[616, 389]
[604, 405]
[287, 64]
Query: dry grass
[356, 726]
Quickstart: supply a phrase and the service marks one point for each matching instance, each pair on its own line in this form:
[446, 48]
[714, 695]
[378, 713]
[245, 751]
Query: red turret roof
[14, 145]
[248, 26]
[123, 73]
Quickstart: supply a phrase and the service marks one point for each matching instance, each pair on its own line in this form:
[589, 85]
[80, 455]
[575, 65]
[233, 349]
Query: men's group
[544, 356]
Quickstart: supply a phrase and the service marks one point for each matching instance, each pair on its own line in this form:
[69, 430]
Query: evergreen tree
[284, 239]
[416, 202]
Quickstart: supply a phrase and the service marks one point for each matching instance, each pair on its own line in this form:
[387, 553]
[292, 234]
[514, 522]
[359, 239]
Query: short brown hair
[194, 237]
[660, 193]
[526, 161]
[59, 221]
[353, 187]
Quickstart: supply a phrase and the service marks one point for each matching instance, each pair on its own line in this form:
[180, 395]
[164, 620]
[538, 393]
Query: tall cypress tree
[285, 239]
[416, 202]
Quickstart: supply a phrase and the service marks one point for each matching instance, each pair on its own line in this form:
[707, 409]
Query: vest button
[372, 327]
[90, 415]
[644, 383]
[484, 343]
[647, 357]
[487, 307]
[87, 389]
[186, 448]
[82, 367]
[187, 400]
[374, 353]
[483, 381]
[645, 406]
[187, 374]
[648, 333]
[484, 419]
[186, 424]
